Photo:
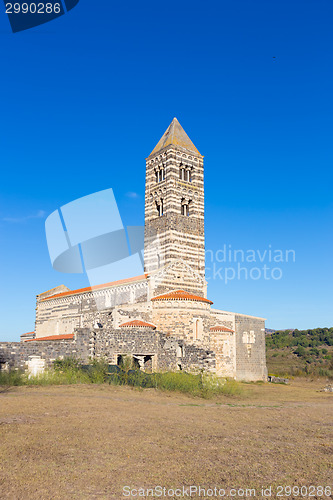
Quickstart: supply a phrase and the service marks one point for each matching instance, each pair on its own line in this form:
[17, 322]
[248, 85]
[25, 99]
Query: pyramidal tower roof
[176, 135]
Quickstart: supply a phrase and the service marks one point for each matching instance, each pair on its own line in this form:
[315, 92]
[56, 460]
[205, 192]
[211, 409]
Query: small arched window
[189, 208]
[188, 175]
[182, 172]
[159, 207]
[160, 174]
[185, 207]
[197, 329]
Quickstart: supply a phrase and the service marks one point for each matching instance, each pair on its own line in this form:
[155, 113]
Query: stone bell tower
[174, 203]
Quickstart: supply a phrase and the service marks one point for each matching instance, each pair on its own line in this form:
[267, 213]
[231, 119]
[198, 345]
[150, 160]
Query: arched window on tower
[159, 207]
[182, 172]
[160, 174]
[188, 174]
[185, 207]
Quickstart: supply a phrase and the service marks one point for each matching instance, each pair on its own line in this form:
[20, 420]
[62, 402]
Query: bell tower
[174, 203]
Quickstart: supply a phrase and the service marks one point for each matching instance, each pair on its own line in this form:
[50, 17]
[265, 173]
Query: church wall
[179, 317]
[223, 318]
[124, 313]
[169, 353]
[58, 316]
[250, 348]
[224, 343]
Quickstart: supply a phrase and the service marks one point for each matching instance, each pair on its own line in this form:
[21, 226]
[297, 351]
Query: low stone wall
[159, 350]
[16, 354]
[168, 352]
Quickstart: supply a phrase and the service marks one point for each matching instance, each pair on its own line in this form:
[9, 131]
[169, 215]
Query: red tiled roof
[67, 336]
[221, 328]
[181, 295]
[25, 334]
[97, 287]
[137, 322]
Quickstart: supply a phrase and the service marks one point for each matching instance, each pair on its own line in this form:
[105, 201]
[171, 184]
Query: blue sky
[86, 97]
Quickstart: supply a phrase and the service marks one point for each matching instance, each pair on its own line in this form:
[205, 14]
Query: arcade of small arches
[185, 207]
[160, 174]
[185, 173]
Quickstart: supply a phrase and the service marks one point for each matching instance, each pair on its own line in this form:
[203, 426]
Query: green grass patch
[11, 378]
[201, 385]
[71, 371]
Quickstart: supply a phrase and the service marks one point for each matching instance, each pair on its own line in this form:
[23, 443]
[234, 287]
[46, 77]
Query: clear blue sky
[86, 97]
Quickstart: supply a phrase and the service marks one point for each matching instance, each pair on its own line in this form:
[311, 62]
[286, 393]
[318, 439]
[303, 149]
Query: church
[163, 318]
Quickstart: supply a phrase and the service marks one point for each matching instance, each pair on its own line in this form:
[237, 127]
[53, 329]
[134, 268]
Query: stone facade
[176, 327]
[61, 313]
[154, 350]
[250, 348]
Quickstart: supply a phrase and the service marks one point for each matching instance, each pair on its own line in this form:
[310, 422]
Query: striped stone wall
[172, 235]
[61, 315]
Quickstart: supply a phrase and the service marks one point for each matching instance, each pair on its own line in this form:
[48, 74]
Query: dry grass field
[89, 441]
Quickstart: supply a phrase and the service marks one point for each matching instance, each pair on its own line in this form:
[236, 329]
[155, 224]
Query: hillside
[300, 352]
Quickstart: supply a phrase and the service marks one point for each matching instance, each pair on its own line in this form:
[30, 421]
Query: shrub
[11, 378]
[314, 351]
[126, 363]
[98, 371]
[300, 351]
[68, 363]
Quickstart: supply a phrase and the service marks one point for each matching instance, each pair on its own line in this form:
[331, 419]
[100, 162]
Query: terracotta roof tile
[137, 322]
[221, 328]
[29, 333]
[67, 336]
[181, 295]
[96, 287]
